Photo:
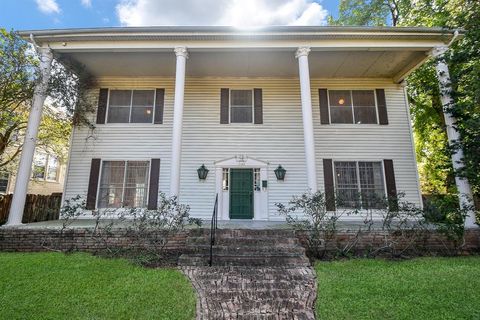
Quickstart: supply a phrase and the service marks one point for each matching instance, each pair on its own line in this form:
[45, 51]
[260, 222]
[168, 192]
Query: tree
[433, 152]
[66, 100]
[370, 12]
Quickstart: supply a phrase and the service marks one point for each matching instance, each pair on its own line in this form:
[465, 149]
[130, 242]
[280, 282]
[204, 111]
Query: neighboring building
[326, 103]
[48, 175]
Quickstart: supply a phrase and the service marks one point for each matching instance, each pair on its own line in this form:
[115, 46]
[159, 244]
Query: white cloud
[86, 3]
[242, 13]
[48, 6]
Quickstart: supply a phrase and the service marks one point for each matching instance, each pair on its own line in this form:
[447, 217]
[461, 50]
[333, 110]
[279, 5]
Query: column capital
[439, 51]
[181, 52]
[302, 51]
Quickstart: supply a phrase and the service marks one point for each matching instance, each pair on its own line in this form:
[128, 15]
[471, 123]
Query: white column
[182, 55]
[463, 187]
[28, 149]
[302, 56]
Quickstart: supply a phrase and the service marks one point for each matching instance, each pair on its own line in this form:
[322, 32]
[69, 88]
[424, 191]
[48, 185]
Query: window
[45, 167]
[225, 179]
[256, 179]
[39, 166]
[359, 184]
[352, 106]
[123, 184]
[4, 182]
[52, 168]
[131, 106]
[241, 106]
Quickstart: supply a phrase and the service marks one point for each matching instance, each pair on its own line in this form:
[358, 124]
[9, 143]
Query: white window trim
[123, 186]
[382, 168]
[46, 169]
[352, 107]
[131, 107]
[230, 106]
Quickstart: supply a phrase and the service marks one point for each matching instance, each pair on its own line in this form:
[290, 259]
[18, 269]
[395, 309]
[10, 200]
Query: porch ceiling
[324, 63]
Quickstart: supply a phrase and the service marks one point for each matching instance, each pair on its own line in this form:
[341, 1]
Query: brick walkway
[257, 274]
[236, 292]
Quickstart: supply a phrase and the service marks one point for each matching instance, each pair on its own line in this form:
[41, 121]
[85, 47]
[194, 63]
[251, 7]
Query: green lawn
[427, 288]
[81, 286]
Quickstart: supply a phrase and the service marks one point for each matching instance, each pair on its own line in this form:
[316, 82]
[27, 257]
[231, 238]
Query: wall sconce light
[202, 172]
[280, 172]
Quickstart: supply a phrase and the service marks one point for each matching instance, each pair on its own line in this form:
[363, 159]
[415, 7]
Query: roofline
[227, 32]
[229, 29]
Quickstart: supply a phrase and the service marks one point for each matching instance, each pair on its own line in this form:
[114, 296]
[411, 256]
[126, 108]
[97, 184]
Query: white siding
[279, 140]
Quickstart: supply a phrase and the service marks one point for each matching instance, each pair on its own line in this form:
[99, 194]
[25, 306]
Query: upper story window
[241, 106]
[123, 184]
[352, 106]
[131, 106]
[359, 184]
[45, 167]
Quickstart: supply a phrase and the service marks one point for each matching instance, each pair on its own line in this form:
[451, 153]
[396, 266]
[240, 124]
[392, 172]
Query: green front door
[241, 193]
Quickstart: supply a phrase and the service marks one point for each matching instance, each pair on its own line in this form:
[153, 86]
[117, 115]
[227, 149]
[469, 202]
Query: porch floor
[222, 224]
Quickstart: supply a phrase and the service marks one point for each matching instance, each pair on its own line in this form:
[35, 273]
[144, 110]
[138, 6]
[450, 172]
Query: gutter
[227, 33]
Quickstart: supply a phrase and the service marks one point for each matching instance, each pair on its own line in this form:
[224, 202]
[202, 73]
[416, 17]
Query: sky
[57, 14]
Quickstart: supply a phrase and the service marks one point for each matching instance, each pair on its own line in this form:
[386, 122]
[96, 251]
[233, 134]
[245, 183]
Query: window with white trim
[352, 106]
[130, 106]
[241, 106]
[123, 184]
[359, 184]
[45, 167]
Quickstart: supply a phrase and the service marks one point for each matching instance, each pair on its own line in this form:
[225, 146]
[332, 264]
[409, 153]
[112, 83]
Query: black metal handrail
[213, 229]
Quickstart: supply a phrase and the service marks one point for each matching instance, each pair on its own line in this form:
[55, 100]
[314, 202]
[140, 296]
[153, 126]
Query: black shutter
[329, 186]
[102, 106]
[224, 105]
[391, 185]
[382, 106]
[258, 106]
[93, 184]
[153, 186]
[159, 103]
[324, 112]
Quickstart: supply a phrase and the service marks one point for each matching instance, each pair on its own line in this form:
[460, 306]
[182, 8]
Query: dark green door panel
[241, 193]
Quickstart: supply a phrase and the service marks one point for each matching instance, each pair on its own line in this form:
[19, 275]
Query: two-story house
[270, 113]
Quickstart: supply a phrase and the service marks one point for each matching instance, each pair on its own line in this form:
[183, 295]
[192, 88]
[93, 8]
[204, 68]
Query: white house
[327, 104]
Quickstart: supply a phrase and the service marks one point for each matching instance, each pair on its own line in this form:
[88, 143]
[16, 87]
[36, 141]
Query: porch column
[182, 55]
[464, 190]
[302, 56]
[28, 149]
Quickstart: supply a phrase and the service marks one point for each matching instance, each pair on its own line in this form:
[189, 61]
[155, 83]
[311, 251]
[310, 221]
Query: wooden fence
[37, 207]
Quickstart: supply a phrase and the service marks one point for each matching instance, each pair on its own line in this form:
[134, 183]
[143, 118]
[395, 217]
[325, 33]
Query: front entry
[241, 193]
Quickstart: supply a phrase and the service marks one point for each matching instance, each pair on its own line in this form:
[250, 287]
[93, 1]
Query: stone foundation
[82, 239]
[428, 242]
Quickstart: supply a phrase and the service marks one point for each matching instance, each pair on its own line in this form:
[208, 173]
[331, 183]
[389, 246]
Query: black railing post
[213, 229]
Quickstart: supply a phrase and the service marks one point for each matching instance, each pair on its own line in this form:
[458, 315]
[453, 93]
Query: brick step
[246, 249]
[250, 240]
[244, 260]
[238, 233]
